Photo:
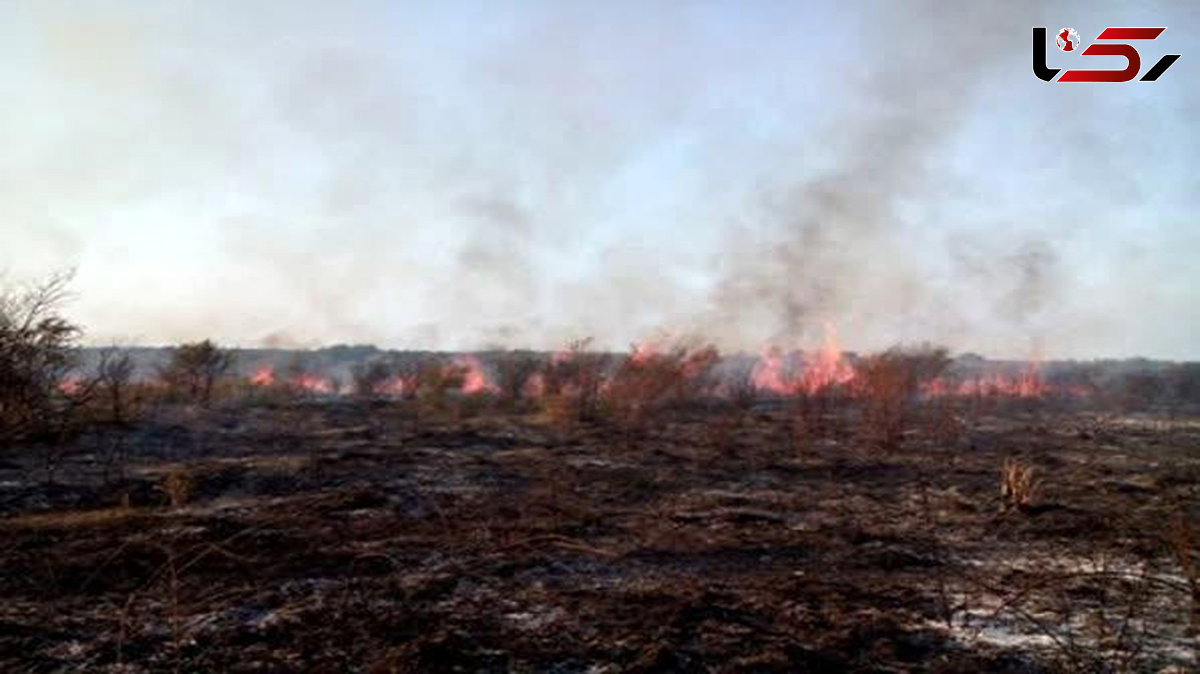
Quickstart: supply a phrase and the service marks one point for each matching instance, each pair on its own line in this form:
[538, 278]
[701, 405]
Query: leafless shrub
[195, 369]
[650, 380]
[115, 393]
[572, 383]
[38, 400]
[1017, 485]
[888, 385]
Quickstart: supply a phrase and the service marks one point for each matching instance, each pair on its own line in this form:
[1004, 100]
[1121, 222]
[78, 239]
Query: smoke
[851, 245]
[858, 244]
[299, 173]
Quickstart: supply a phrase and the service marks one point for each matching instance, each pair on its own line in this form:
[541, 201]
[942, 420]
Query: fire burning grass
[467, 371]
[775, 373]
[668, 509]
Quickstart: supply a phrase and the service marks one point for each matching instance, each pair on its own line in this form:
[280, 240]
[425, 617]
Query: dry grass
[74, 519]
[572, 382]
[1017, 485]
[494, 546]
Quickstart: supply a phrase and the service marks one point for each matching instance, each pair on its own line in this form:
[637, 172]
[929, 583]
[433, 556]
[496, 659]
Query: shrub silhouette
[573, 381]
[888, 384]
[37, 351]
[114, 386]
[516, 369]
[649, 381]
[195, 369]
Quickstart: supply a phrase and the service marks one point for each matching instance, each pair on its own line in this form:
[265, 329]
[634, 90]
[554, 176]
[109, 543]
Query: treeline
[51, 388]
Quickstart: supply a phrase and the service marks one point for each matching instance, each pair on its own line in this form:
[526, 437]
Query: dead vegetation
[572, 384]
[888, 385]
[118, 398]
[37, 401]
[519, 379]
[579, 511]
[195, 370]
[1017, 485]
[650, 381]
[334, 534]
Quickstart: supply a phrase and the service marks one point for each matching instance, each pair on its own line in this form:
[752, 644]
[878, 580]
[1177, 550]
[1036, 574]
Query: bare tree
[114, 379]
[888, 384]
[574, 379]
[195, 368]
[114, 402]
[37, 351]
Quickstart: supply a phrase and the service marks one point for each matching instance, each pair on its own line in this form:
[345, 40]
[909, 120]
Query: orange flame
[770, 373]
[639, 354]
[474, 378]
[263, 376]
[826, 367]
[823, 368]
[1026, 384]
[313, 384]
[398, 386]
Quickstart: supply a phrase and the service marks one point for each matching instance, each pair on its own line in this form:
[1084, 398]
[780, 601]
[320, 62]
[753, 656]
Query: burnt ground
[340, 536]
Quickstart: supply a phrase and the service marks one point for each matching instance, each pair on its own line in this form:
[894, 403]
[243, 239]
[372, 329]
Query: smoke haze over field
[454, 175]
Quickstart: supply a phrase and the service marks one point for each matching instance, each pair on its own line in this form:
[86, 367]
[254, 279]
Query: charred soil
[349, 536]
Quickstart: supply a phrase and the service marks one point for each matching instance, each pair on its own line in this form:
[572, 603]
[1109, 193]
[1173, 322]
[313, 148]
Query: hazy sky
[459, 174]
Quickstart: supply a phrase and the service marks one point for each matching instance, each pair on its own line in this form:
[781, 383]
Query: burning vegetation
[670, 508]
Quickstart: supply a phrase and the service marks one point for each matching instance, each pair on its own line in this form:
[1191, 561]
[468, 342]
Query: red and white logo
[1106, 44]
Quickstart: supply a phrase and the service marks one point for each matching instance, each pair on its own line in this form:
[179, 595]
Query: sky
[458, 175]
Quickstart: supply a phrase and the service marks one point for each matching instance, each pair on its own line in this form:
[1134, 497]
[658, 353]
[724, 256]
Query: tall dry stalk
[1017, 485]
